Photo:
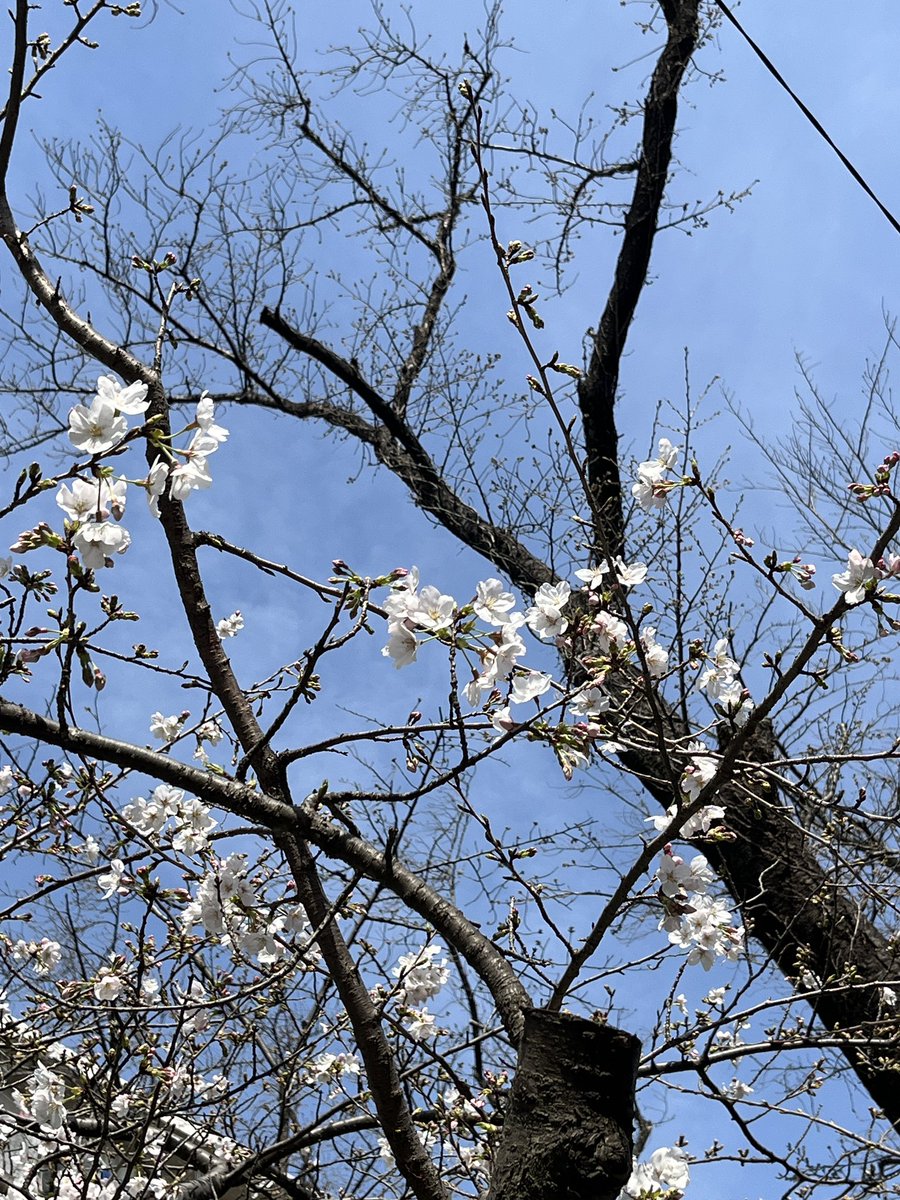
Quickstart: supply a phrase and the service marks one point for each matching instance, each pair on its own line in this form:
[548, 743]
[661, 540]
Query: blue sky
[804, 265]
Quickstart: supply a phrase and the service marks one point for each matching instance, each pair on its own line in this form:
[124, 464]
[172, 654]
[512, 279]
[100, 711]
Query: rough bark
[803, 916]
[568, 1126]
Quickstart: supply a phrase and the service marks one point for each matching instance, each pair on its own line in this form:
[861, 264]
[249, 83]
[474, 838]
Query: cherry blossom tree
[226, 976]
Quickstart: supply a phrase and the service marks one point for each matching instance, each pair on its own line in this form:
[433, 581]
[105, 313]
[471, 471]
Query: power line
[817, 125]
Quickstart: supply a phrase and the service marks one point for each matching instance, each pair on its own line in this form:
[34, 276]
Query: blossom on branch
[230, 627]
[131, 400]
[858, 580]
[97, 429]
[664, 1177]
[97, 541]
[545, 617]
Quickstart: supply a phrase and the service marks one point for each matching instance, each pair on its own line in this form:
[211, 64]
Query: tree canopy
[355, 880]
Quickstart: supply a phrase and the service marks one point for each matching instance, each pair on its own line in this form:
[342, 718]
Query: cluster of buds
[30, 539]
[882, 484]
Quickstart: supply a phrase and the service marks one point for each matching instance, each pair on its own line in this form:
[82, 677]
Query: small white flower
[96, 429]
[230, 627]
[528, 685]
[492, 604]
[589, 702]
[737, 1090]
[97, 541]
[213, 435]
[47, 1098]
[326, 1068]
[95, 499]
[156, 484]
[434, 610]
[131, 400]
[90, 850]
[211, 731]
[111, 882]
[667, 1172]
[402, 647]
[856, 581]
[420, 1024]
[420, 976]
[108, 985]
[167, 729]
[626, 576]
[545, 617]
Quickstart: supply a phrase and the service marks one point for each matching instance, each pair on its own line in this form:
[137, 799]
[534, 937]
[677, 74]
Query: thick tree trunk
[568, 1129]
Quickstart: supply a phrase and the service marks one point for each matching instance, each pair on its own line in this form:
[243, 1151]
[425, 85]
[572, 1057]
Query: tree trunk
[568, 1128]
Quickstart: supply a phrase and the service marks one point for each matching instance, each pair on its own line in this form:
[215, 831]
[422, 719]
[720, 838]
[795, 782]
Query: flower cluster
[419, 978]
[99, 427]
[694, 920]
[700, 771]
[94, 507]
[652, 488]
[663, 1177]
[191, 818]
[48, 1093]
[722, 685]
[328, 1068]
[180, 472]
[43, 955]
[227, 905]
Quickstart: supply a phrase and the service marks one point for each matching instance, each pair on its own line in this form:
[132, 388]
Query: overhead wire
[817, 125]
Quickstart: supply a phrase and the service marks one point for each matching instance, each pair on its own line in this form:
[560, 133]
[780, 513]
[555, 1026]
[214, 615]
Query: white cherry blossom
[212, 435]
[47, 1098]
[589, 702]
[111, 882]
[434, 610]
[492, 604]
[698, 773]
[328, 1067]
[230, 627]
[131, 400]
[402, 645]
[650, 489]
[675, 875]
[655, 655]
[97, 429]
[97, 541]
[94, 499]
[108, 985]
[545, 617]
[665, 1175]
[420, 975]
[857, 580]
[700, 822]
[191, 475]
[156, 484]
[167, 729]
[194, 827]
[626, 576]
[707, 933]
[607, 630]
[420, 1024]
[528, 685]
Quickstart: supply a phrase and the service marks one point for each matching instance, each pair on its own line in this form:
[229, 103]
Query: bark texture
[568, 1128]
